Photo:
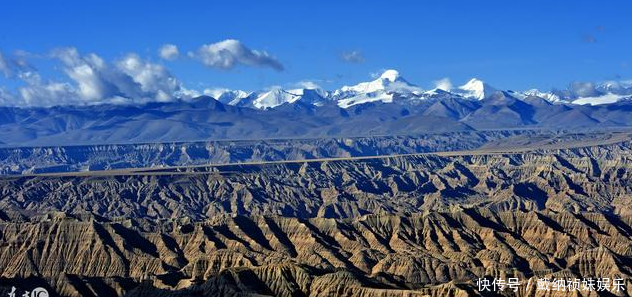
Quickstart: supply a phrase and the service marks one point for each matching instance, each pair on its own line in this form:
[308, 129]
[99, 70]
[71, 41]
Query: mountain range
[388, 105]
[391, 87]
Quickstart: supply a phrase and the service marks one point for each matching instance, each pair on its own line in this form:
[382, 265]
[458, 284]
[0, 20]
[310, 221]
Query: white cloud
[47, 94]
[352, 57]
[307, 84]
[6, 98]
[626, 83]
[154, 80]
[130, 77]
[10, 66]
[169, 52]
[4, 66]
[215, 92]
[229, 53]
[37, 92]
[443, 84]
[583, 89]
[94, 81]
[225, 95]
[98, 81]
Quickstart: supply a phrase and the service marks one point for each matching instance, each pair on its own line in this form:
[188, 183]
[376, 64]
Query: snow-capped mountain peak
[391, 87]
[276, 97]
[379, 84]
[390, 75]
[544, 95]
[475, 89]
[381, 89]
[226, 96]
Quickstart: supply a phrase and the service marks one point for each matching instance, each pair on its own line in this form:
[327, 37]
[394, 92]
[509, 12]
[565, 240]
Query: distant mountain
[386, 88]
[537, 93]
[270, 98]
[226, 96]
[582, 93]
[475, 89]
[391, 87]
[307, 115]
[387, 105]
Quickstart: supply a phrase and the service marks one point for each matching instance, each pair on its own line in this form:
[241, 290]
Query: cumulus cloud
[154, 80]
[92, 80]
[215, 92]
[6, 98]
[46, 94]
[131, 78]
[355, 57]
[169, 52]
[443, 84]
[95, 79]
[13, 65]
[4, 66]
[229, 53]
[306, 84]
[583, 89]
[37, 92]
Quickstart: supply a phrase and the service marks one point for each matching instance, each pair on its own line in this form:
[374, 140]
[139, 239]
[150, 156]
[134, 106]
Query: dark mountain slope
[205, 118]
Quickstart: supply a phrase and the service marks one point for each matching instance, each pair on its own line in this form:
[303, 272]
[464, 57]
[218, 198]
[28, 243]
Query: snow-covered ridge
[475, 89]
[382, 89]
[391, 87]
[537, 93]
[583, 93]
[231, 97]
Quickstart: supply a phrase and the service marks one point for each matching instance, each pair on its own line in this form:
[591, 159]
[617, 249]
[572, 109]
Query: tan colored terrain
[411, 225]
[371, 255]
[593, 179]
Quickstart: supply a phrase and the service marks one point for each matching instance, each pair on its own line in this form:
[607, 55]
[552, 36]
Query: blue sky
[510, 44]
